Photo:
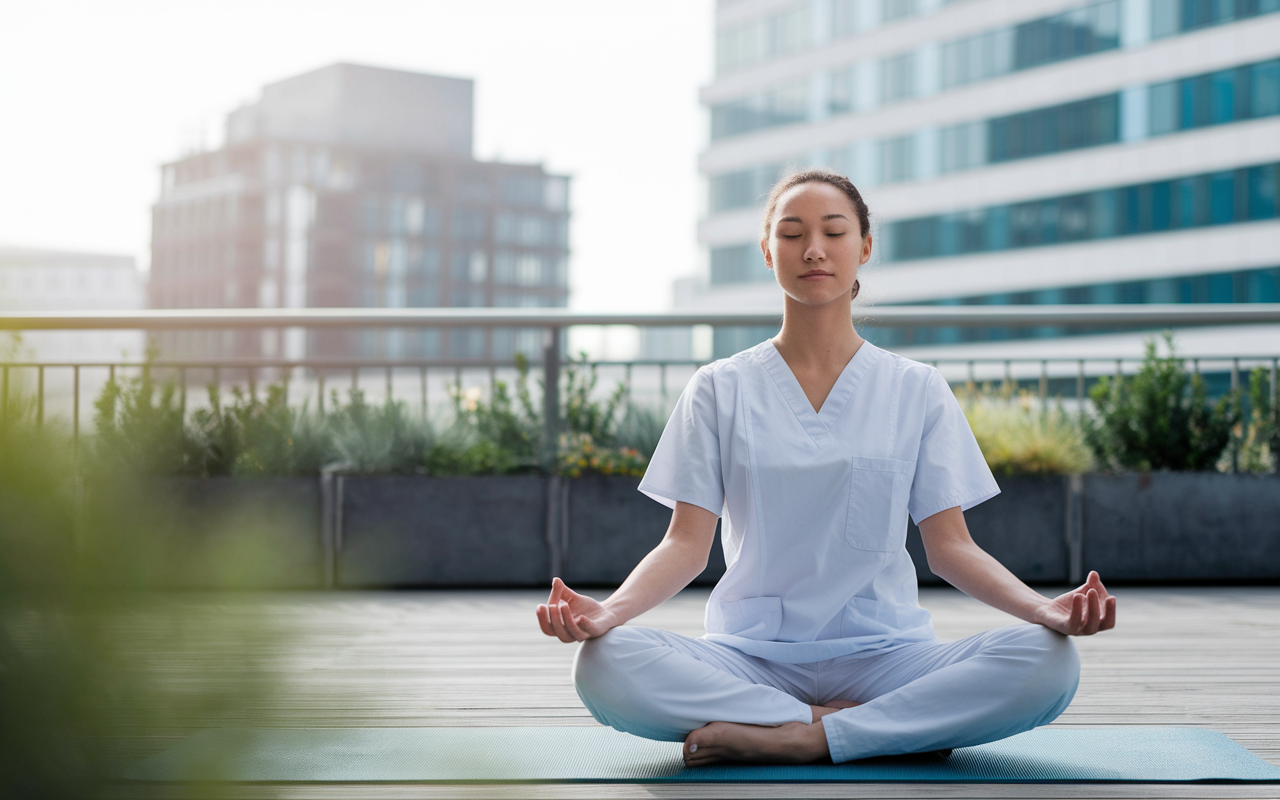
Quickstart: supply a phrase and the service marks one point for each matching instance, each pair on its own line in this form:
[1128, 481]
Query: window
[1050, 130]
[1079, 32]
[897, 9]
[841, 87]
[897, 158]
[738, 264]
[898, 77]
[1170, 17]
[741, 189]
[469, 225]
[522, 190]
[1195, 201]
[780, 105]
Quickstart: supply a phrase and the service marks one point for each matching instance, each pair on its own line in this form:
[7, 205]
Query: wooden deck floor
[1186, 656]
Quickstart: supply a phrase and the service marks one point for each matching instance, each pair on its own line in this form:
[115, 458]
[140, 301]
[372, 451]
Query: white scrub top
[814, 505]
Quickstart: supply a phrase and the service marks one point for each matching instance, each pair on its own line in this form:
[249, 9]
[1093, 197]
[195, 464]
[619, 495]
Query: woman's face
[815, 244]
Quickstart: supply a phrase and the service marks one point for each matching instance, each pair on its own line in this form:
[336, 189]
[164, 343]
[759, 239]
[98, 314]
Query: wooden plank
[1180, 656]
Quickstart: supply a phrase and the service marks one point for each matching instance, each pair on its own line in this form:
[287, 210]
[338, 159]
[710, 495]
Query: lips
[816, 273]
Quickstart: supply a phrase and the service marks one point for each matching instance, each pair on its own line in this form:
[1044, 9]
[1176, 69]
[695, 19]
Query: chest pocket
[878, 495]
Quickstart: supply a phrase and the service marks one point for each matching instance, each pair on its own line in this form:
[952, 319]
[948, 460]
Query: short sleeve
[950, 469]
[686, 464]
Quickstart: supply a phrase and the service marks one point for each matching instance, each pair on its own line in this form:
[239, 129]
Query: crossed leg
[726, 705]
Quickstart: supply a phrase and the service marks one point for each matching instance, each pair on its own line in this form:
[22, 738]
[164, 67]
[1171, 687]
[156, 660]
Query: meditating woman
[812, 448]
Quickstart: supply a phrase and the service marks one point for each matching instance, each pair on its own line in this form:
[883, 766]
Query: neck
[818, 334]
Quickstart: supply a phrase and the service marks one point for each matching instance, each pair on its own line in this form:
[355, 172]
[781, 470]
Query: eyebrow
[827, 217]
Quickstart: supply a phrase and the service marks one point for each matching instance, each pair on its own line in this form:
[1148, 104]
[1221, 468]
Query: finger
[1109, 615]
[1095, 581]
[574, 628]
[1077, 613]
[553, 617]
[544, 619]
[1095, 613]
[562, 627]
[557, 590]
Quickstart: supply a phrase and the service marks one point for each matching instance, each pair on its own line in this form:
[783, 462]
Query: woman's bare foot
[792, 743]
[830, 708]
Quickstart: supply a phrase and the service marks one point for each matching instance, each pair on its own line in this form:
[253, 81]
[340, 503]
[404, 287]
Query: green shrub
[1019, 435]
[140, 429]
[375, 439]
[1261, 439]
[1160, 418]
[259, 437]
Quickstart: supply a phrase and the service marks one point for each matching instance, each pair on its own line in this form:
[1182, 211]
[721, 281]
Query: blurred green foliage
[96, 668]
[1020, 435]
[1261, 437]
[1159, 419]
[141, 429]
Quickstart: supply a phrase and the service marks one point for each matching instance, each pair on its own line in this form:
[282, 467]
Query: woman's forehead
[813, 198]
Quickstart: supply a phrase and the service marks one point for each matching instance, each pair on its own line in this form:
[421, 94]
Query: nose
[814, 252]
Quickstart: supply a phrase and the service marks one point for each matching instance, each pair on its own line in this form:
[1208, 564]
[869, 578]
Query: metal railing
[554, 321]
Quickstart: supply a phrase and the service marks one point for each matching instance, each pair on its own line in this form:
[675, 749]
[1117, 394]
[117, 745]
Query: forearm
[973, 571]
[667, 569]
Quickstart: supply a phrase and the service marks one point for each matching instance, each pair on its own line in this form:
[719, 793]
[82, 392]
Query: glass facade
[1171, 17]
[1084, 31]
[741, 263]
[1241, 286]
[1229, 95]
[1194, 201]
[1079, 32]
[779, 105]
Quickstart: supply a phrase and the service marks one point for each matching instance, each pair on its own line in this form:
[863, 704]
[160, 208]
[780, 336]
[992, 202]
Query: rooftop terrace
[1201, 656]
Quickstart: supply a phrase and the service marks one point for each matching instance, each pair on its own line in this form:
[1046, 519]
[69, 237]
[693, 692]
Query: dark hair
[819, 175]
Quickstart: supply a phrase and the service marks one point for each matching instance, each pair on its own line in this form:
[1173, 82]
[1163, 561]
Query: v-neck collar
[816, 423]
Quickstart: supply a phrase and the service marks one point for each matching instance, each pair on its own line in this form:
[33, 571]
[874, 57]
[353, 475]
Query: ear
[866, 249]
[768, 257]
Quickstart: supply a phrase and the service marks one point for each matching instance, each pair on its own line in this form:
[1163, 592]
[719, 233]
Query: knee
[1049, 668]
[600, 670]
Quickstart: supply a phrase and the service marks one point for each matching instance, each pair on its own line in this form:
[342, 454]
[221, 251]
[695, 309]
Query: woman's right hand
[573, 617]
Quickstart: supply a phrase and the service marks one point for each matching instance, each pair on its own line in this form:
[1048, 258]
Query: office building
[354, 186]
[54, 280]
[1012, 152]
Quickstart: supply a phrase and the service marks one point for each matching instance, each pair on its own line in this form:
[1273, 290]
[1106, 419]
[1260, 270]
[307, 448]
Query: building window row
[1195, 201]
[1079, 32]
[1251, 91]
[799, 25]
[866, 85]
[1241, 286]
[1171, 17]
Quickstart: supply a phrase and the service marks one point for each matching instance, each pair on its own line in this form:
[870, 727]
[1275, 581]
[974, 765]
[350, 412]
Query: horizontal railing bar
[475, 364]
[884, 316]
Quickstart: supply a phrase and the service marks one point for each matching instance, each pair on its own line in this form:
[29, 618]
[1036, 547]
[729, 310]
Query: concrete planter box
[1182, 527]
[1024, 527]
[382, 531]
[610, 526]
[243, 533]
[409, 531]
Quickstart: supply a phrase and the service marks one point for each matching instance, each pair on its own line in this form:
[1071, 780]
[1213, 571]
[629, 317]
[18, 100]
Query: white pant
[915, 698]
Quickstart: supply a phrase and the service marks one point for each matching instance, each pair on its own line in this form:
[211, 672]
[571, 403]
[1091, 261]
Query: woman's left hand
[1080, 612]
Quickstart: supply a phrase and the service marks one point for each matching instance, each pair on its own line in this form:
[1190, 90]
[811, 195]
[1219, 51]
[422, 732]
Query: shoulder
[912, 375]
[730, 369]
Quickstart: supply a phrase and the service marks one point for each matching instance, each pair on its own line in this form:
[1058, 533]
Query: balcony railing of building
[1039, 372]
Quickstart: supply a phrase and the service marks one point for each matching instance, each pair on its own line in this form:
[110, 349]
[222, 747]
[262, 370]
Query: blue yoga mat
[569, 754]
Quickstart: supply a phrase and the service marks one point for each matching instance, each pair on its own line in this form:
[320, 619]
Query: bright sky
[95, 95]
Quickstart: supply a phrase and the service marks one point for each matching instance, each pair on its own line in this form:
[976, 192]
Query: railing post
[1075, 529]
[1080, 384]
[1235, 397]
[75, 413]
[551, 396]
[422, 386]
[556, 500]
